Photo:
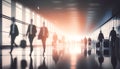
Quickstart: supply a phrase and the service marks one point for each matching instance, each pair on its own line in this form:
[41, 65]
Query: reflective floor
[69, 56]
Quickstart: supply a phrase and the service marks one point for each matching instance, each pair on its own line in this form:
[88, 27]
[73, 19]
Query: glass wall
[18, 12]
[22, 21]
[6, 10]
[107, 27]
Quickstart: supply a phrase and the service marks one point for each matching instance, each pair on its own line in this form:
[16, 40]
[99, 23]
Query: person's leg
[114, 45]
[31, 47]
[44, 45]
[101, 46]
[31, 44]
[113, 48]
[12, 42]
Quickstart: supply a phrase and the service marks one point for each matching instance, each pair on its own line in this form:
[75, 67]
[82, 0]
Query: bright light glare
[75, 37]
[74, 49]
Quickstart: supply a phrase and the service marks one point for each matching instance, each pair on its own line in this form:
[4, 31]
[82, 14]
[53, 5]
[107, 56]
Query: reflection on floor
[71, 56]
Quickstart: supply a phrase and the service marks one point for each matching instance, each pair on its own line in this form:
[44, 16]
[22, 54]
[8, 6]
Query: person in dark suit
[43, 34]
[112, 36]
[13, 33]
[31, 32]
[100, 39]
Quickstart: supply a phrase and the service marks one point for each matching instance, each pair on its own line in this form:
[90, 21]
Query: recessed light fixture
[38, 7]
[56, 1]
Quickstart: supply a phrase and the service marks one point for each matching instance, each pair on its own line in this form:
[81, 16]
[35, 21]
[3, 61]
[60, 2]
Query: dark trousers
[31, 41]
[112, 43]
[101, 45]
[12, 42]
[44, 43]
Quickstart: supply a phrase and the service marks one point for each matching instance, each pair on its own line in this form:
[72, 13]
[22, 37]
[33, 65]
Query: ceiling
[72, 16]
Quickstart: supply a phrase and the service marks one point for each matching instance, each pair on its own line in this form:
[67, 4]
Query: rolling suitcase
[106, 43]
[23, 43]
[98, 45]
[106, 52]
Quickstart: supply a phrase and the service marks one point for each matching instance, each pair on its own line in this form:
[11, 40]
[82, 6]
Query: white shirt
[31, 28]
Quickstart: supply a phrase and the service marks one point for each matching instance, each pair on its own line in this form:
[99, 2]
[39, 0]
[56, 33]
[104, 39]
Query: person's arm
[10, 30]
[103, 36]
[28, 30]
[40, 30]
[47, 32]
[17, 30]
[35, 29]
[109, 35]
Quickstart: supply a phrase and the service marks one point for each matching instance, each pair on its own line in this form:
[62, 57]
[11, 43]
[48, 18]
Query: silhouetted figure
[43, 35]
[117, 47]
[55, 38]
[112, 37]
[43, 65]
[100, 59]
[23, 64]
[85, 42]
[63, 40]
[13, 33]
[114, 61]
[114, 53]
[85, 46]
[13, 62]
[31, 32]
[31, 63]
[85, 52]
[100, 39]
[55, 55]
[89, 41]
[89, 46]
[89, 52]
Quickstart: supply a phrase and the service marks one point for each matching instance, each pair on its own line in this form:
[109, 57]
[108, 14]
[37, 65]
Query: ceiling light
[38, 7]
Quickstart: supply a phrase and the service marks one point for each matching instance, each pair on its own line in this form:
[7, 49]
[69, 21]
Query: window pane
[5, 31]
[6, 9]
[27, 15]
[18, 14]
[19, 37]
[9, 1]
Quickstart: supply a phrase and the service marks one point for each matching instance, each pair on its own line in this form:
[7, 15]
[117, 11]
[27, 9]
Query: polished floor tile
[71, 56]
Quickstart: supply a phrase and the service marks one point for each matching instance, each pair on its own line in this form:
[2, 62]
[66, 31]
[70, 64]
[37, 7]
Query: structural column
[0, 23]
[13, 8]
[23, 19]
[0, 34]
